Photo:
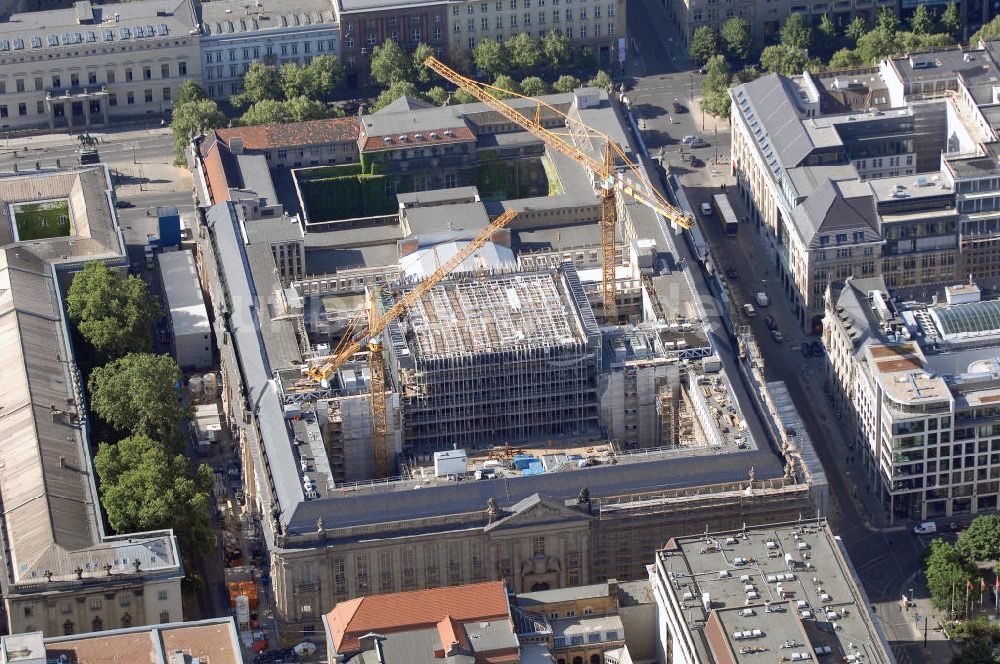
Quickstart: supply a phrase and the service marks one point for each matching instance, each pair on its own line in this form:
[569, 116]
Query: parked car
[925, 528]
[769, 321]
[696, 163]
[816, 348]
[698, 143]
[777, 336]
[678, 107]
[122, 204]
[706, 209]
[690, 138]
[731, 273]
[762, 299]
[749, 310]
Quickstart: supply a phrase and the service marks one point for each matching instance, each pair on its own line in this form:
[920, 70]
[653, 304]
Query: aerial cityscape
[503, 331]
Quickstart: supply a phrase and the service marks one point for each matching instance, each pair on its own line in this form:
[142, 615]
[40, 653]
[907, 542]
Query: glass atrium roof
[974, 318]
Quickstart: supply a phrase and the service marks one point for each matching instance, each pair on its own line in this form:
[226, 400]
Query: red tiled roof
[310, 132]
[462, 134]
[415, 609]
[215, 173]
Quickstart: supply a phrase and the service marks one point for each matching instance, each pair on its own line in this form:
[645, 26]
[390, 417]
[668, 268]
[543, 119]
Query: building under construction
[552, 442]
[505, 358]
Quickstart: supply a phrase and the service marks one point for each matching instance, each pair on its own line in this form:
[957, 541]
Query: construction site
[502, 356]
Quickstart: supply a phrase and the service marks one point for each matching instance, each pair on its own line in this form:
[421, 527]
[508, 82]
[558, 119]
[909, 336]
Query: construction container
[450, 462]
[522, 461]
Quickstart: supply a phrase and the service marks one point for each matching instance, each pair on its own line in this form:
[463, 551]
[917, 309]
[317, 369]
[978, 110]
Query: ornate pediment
[539, 510]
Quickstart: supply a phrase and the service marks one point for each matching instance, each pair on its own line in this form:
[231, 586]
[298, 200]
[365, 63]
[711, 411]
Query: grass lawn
[44, 219]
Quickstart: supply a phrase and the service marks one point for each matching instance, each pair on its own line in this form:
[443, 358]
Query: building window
[68, 627]
[22, 109]
[124, 600]
[164, 616]
[162, 595]
[112, 99]
[127, 620]
[166, 94]
[538, 546]
[147, 73]
[39, 107]
[97, 624]
[472, 43]
[415, 36]
[28, 611]
[110, 75]
[148, 96]
[57, 81]
[95, 604]
[128, 76]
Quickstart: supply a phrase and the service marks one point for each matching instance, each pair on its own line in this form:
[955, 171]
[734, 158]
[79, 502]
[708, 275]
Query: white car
[925, 528]
[749, 310]
[706, 209]
[690, 138]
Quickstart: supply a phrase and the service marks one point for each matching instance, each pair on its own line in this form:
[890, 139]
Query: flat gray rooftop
[787, 589]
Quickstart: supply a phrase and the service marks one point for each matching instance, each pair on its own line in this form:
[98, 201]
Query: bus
[724, 212]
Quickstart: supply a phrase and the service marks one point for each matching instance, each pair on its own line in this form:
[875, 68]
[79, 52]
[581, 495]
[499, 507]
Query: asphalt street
[886, 558]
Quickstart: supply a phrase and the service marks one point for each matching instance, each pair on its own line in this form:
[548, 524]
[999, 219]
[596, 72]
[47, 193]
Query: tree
[438, 95]
[715, 87]
[491, 57]
[566, 83]
[796, 32]
[981, 541]
[783, 59]
[189, 91]
[601, 80]
[951, 21]
[191, 119]
[533, 86]
[888, 21]
[146, 487]
[747, 74]
[524, 52]
[420, 54]
[136, 394]
[976, 651]
[704, 45]
[845, 58]
[826, 39]
[302, 108]
[265, 111]
[737, 39]
[259, 83]
[317, 80]
[391, 64]
[113, 314]
[947, 573]
[504, 85]
[877, 45]
[922, 22]
[555, 50]
[464, 97]
[856, 29]
[989, 31]
[585, 59]
[394, 92]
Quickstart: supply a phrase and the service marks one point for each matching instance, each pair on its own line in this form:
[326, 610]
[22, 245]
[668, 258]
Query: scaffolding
[501, 358]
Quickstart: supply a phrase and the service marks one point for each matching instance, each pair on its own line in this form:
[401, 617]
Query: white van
[925, 528]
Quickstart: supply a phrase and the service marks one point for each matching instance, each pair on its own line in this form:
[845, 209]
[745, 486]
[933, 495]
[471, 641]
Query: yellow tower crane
[614, 172]
[371, 339]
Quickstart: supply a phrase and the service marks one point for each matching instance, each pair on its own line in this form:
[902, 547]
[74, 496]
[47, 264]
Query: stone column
[49, 112]
[86, 110]
[68, 111]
